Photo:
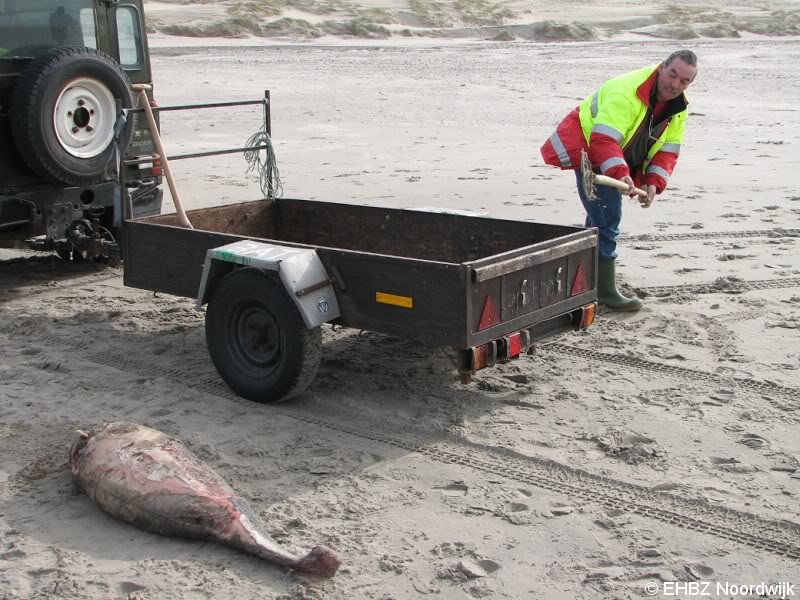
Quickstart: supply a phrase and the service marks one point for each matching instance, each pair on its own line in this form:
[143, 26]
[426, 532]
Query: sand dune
[480, 19]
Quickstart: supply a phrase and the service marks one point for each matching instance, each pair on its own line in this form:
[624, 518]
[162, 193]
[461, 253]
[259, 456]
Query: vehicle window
[129, 38]
[88, 28]
[32, 27]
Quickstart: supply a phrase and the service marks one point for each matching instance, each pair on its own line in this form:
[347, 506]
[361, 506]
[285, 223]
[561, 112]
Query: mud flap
[300, 270]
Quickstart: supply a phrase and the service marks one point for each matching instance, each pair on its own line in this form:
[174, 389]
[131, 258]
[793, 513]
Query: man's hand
[629, 182]
[651, 195]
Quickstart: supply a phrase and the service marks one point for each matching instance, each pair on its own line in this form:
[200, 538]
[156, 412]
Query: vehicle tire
[257, 339]
[63, 112]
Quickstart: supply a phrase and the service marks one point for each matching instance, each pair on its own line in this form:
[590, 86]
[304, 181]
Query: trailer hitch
[89, 238]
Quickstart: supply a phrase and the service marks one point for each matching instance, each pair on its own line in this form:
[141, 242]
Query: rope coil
[269, 178]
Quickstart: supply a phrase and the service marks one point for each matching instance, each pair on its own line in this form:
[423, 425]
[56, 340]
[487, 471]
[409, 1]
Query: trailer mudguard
[300, 269]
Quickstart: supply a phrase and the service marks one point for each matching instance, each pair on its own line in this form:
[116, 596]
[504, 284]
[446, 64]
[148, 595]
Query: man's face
[674, 78]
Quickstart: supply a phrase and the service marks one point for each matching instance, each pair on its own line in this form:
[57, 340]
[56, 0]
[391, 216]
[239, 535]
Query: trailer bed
[453, 266]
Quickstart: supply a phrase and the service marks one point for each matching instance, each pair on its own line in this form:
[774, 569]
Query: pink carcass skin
[143, 477]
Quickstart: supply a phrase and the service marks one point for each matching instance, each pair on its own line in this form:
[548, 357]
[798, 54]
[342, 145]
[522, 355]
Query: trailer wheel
[63, 112]
[257, 339]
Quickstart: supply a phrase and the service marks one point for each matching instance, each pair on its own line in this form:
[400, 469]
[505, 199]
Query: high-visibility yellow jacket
[615, 126]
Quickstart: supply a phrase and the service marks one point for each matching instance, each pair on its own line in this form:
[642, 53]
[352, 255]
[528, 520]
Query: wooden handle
[617, 184]
[151, 124]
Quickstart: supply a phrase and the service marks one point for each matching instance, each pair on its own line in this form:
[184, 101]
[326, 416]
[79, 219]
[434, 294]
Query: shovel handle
[617, 184]
[144, 102]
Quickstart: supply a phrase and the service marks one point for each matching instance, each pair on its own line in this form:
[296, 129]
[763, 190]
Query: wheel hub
[84, 117]
[257, 338]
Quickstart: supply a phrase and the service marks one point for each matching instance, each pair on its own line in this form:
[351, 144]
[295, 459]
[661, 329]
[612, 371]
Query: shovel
[591, 179]
[144, 102]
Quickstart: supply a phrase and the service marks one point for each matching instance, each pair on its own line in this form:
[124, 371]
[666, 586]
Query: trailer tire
[257, 339]
[63, 112]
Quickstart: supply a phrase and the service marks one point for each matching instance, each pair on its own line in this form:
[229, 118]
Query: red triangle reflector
[579, 284]
[489, 316]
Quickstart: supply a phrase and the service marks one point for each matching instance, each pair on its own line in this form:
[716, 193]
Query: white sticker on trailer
[254, 254]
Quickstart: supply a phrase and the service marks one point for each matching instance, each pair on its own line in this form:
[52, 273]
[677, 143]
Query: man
[632, 129]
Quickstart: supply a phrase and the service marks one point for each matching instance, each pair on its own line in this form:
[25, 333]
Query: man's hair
[687, 56]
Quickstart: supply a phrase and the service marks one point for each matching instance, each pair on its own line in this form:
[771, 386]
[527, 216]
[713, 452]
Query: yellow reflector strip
[404, 301]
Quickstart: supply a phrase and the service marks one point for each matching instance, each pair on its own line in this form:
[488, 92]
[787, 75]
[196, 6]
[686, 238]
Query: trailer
[271, 272]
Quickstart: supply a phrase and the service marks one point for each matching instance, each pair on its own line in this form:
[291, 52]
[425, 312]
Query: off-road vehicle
[66, 70]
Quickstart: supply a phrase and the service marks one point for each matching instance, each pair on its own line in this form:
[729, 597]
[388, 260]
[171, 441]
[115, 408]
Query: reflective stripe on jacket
[614, 125]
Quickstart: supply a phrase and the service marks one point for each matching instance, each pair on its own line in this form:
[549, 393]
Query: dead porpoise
[142, 476]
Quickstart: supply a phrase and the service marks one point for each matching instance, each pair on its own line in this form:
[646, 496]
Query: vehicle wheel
[257, 339]
[63, 112]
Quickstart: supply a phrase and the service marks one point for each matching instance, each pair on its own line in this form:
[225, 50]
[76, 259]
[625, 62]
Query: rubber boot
[607, 293]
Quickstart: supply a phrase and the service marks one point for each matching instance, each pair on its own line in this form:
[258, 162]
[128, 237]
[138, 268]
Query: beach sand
[653, 448]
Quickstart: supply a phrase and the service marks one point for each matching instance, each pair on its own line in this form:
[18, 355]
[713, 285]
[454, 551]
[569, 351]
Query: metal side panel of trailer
[447, 263]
